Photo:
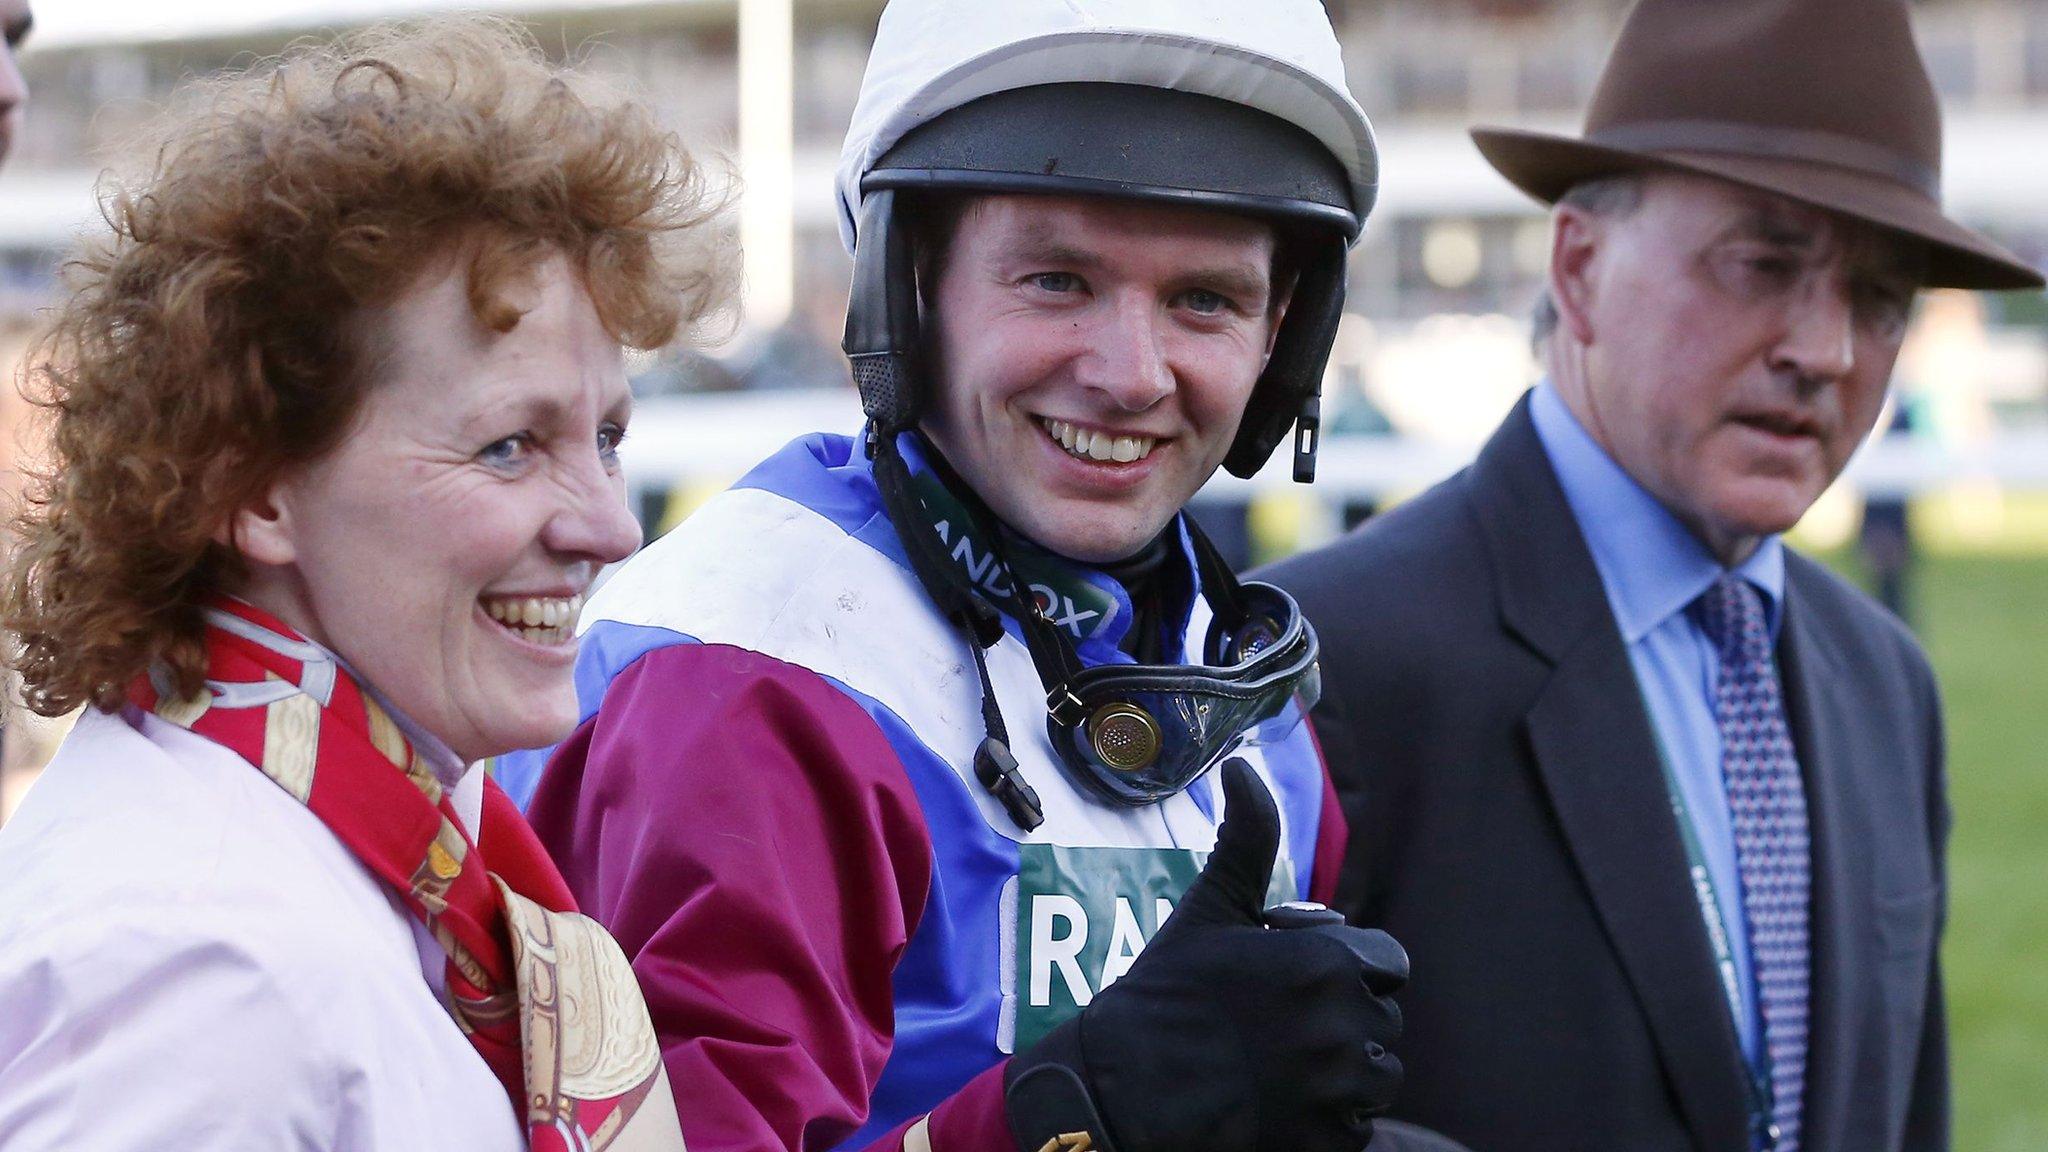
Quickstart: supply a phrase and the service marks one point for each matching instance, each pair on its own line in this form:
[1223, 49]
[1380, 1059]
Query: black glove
[1238, 1029]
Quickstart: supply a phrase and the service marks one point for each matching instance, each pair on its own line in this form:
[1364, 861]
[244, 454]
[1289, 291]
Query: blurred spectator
[15, 22]
[1358, 416]
[1886, 538]
[26, 741]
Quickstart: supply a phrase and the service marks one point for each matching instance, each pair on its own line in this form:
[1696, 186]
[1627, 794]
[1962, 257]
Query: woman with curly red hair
[335, 417]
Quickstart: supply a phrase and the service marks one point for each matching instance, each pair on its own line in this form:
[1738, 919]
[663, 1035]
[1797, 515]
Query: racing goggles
[1135, 734]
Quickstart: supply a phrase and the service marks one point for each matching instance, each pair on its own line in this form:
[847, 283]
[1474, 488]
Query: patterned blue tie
[1767, 806]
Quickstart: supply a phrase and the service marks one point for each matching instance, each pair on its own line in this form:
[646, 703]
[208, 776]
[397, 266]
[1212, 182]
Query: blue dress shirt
[1653, 568]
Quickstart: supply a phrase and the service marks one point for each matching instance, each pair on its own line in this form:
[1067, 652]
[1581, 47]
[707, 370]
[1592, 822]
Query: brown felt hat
[1823, 101]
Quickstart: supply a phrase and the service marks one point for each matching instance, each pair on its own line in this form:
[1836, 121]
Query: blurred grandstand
[1434, 351]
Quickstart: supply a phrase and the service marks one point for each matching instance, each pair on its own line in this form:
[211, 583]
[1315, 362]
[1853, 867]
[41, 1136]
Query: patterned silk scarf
[543, 992]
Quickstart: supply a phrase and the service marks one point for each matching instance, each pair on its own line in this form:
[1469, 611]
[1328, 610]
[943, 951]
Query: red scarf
[531, 982]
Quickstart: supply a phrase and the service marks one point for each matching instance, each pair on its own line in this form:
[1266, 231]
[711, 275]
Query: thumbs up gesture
[1239, 1028]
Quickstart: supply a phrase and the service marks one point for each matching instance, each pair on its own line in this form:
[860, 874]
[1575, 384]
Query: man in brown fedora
[1655, 803]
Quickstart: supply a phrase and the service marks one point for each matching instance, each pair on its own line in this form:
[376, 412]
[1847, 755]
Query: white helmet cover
[931, 56]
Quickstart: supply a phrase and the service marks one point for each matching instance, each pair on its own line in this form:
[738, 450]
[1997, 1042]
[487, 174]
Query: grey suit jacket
[1510, 826]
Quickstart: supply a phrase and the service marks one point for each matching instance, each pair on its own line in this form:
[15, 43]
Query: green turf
[1985, 623]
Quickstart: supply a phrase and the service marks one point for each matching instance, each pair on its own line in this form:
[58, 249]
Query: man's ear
[1576, 238]
[262, 530]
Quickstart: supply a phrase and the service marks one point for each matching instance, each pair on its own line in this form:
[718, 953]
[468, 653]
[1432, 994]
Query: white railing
[679, 441]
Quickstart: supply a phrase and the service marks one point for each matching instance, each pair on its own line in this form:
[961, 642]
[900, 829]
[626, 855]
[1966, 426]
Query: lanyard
[1763, 1129]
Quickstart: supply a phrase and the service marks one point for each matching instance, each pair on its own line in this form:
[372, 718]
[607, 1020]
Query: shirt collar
[1650, 564]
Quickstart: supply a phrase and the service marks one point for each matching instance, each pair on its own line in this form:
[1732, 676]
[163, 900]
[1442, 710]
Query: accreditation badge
[1075, 919]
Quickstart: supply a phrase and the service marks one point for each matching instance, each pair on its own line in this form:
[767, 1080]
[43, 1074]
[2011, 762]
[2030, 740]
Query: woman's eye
[508, 451]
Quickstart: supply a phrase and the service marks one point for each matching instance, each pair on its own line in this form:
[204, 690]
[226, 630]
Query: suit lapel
[1820, 714]
[1598, 759]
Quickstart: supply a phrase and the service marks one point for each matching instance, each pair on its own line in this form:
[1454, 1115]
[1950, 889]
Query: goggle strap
[1062, 705]
[1051, 652]
[1219, 583]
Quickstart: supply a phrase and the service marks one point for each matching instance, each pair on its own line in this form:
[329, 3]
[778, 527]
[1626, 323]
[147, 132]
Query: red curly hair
[207, 346]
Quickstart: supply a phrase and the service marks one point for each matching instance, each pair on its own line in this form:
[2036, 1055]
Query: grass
[1984, 619]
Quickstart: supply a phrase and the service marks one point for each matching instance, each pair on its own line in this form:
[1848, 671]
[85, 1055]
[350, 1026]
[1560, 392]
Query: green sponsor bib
[1083, 915]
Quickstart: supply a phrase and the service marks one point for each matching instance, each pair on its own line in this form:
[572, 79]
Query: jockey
[897, 755]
